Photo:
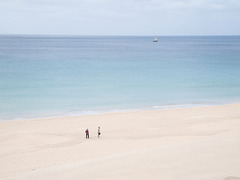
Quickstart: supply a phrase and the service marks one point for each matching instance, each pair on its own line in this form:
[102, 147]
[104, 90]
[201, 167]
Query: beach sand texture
[195, 143]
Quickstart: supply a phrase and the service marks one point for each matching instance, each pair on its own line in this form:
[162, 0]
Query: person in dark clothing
[99, 131]
[87, 133]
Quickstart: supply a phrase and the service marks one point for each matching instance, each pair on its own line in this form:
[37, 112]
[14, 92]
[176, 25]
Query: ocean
[51, 76]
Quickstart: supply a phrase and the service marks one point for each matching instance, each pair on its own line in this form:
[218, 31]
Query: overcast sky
[120, 17]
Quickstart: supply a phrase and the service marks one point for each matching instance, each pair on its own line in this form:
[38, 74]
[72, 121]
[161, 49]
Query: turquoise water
[44, 76]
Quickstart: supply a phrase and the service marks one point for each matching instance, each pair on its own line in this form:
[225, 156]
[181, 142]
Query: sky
[120, 17]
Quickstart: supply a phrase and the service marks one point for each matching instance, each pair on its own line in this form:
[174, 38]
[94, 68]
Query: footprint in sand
[232, 178]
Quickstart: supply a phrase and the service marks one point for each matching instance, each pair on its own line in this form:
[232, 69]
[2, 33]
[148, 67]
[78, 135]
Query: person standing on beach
[87, 133]
[99, 131]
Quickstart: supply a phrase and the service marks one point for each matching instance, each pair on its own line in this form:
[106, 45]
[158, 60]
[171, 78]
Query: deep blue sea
[45, 76]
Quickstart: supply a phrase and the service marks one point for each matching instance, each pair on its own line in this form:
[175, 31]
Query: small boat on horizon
[155, 40]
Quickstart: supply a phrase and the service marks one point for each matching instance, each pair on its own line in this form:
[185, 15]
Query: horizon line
[3, 34]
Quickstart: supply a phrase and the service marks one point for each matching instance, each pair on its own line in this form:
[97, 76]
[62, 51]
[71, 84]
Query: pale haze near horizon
[125, 17]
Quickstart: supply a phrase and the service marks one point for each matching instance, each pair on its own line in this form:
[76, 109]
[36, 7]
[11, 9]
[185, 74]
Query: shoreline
[152, 108]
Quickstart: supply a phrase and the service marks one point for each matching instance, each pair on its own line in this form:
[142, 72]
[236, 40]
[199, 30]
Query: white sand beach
[195, 143]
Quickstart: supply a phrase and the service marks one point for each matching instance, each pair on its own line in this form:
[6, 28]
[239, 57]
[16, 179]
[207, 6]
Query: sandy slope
[200, 143]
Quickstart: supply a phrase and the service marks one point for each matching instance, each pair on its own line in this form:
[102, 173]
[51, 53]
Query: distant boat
[155, 40]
